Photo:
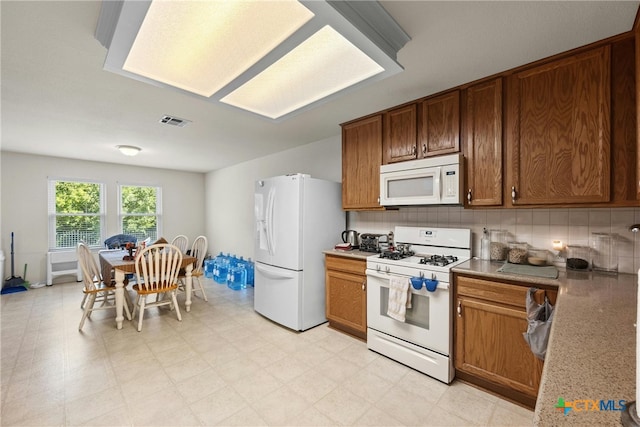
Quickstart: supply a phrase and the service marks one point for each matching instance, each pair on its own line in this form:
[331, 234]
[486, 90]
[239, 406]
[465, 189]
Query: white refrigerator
[297, 218]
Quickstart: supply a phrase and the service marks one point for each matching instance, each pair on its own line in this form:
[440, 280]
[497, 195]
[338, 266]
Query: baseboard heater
[62, 263]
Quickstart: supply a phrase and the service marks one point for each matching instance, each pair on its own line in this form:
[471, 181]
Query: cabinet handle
[364, 285]
[415, 150]
[424, 150]
[513, 194]
[469, 196]
[459, 308]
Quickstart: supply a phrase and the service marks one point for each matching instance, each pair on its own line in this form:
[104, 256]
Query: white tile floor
[222, 365]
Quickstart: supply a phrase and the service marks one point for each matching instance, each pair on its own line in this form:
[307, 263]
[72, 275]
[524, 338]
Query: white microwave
[430, 181]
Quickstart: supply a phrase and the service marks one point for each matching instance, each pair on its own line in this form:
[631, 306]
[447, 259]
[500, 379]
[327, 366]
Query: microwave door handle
[437, 184]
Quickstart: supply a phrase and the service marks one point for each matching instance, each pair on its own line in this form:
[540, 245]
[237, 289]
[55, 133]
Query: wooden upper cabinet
[361, 159]
[624, 124]
[439, 125]
[558, 131]
[400, 135]
[636, 31]
[482, 135]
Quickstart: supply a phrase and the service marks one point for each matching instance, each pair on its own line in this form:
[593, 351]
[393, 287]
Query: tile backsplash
[537, 227]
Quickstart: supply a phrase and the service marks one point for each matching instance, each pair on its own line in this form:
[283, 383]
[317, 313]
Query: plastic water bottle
[216, 261]
[250, 272]
[232, 264]
[221, 269]
[241, 263]
[244, 273]
[208, 268]
[237, 277]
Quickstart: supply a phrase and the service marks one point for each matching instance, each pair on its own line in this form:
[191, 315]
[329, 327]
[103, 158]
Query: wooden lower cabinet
[490, 350]
[346, 294]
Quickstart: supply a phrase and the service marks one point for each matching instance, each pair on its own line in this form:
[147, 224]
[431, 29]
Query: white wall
[229, 200]
[24, 202]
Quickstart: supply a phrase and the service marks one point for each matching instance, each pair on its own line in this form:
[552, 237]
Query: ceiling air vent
[174, 121]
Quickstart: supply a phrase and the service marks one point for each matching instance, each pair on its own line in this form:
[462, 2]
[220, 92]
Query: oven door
[427, 322]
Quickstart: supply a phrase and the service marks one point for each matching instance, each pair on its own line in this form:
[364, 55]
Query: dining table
[119, 261]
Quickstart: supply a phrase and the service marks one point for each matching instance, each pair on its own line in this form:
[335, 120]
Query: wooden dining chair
[95, 289]
[157, 268]
[182, 242]
[199, 251]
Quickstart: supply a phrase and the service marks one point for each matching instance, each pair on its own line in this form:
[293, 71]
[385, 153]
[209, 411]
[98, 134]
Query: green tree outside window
[140, 211]
[76, 213]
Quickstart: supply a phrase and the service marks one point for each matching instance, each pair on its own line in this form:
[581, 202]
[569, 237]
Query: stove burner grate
[396, 255]
[438, 260]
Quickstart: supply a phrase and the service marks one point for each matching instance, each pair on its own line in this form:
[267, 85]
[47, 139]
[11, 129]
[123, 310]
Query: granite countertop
[591, 352]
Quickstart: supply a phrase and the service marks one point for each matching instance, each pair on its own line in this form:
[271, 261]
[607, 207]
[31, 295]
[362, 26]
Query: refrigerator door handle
[273, 274]
[270, 220]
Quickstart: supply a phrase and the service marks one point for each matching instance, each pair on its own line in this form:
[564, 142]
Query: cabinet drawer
[509, 294]
[349, 265]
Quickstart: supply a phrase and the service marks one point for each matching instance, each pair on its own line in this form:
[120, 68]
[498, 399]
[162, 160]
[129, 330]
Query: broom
[14, 283]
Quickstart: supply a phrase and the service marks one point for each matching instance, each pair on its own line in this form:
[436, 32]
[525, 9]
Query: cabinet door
[346, 301]
[439, 125]
[637, 49]
[399, 142]
[490, 346]
[624, 137]
[558, 138]
[361, 159]
[482, 120]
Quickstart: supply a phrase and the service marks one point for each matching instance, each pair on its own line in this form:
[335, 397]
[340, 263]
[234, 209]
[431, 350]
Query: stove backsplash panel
[537, 227]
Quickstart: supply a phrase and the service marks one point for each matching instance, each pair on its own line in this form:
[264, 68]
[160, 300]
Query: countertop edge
[352, 253]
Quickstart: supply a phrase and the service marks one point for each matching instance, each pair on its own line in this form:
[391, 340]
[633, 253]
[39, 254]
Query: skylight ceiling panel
[322, 65]
[201, 46]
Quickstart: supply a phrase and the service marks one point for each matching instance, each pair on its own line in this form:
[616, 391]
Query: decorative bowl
[537, 261]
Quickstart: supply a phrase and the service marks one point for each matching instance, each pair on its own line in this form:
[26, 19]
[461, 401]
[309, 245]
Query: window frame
[52, 213]
[157, 215]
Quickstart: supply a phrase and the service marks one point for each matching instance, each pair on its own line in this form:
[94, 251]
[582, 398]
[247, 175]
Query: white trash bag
[539, 317]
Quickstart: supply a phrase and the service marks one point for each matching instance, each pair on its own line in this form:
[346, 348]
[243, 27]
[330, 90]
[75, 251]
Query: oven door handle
[379, 274]
[387, 276]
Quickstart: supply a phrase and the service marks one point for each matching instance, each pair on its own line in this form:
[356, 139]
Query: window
[141, 211]
[76, 213]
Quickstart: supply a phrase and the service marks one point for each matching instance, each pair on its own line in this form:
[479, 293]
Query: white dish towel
[399, 298]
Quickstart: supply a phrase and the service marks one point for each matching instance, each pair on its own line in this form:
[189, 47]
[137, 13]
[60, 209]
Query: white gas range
[423, 340]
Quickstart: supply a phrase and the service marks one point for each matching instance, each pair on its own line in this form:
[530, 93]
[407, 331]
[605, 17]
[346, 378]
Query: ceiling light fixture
[271, 58]
[129, 150]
